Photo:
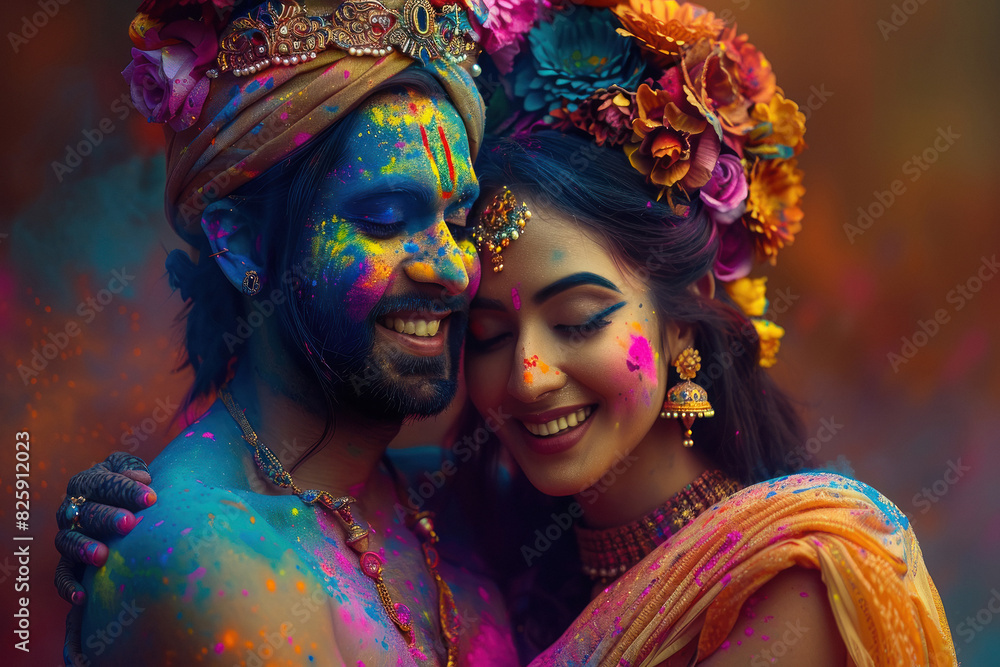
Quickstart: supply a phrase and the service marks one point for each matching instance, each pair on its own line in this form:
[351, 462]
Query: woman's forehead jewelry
[502, 221]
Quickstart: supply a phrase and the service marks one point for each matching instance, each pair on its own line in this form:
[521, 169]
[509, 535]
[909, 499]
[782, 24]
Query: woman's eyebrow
[569, 282]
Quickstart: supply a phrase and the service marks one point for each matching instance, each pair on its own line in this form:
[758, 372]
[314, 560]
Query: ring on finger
[72, 512]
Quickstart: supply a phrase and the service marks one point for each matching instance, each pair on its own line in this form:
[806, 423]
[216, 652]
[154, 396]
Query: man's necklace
[421, 523]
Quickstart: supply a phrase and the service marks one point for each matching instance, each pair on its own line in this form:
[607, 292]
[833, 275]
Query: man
[330, 198]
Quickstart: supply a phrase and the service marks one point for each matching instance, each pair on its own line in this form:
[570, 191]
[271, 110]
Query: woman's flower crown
[692, 103]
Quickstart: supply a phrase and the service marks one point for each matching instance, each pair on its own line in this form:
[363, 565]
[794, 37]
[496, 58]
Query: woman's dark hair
[755, 425]
[280, 197]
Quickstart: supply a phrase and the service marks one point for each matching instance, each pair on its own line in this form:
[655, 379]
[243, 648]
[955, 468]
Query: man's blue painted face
[392, 269]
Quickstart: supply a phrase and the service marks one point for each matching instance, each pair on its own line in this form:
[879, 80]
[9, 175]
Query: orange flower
[778, 128]
[773, 215]
[753, 70]
[664, 26]
[713, 81]
[670, 146]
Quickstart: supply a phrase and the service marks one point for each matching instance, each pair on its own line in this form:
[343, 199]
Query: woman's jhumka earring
[251, 283]
[687, 400]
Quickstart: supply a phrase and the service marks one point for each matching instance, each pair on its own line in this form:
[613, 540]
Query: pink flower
[736, 252]
[725, 194]
[168, 84]
[507, 24]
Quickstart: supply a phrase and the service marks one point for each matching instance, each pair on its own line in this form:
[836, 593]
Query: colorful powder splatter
[640, 358]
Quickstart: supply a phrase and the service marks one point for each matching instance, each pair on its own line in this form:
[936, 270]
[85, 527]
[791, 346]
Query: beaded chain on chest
[421, 523]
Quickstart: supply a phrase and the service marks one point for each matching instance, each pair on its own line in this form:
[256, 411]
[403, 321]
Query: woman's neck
[648, 477]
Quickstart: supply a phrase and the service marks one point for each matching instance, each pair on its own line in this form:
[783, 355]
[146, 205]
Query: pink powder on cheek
[374, 281]
[640, 358]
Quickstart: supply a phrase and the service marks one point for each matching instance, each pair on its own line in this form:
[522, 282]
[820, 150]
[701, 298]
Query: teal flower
[574, 55]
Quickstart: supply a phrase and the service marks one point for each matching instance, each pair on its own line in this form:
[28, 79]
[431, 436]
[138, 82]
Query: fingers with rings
[71, 513]
[111, 488]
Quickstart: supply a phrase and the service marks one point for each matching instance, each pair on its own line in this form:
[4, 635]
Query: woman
[694, 553]
[621, 246]
[572, 334]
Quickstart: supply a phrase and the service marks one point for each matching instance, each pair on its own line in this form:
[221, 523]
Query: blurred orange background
[901, 98]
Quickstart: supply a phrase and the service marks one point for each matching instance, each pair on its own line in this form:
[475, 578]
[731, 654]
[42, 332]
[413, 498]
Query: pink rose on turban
[725, 194]
[736, 252]
[168, 84]
[506, 25]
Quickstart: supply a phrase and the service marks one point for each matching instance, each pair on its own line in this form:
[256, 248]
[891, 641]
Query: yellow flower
[770, 335]
[688, 363]
[665, 26]
[749, 295]
[779, 128]
[773, 215]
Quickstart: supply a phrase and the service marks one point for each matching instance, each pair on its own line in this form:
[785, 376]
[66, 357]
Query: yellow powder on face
[528, 377]
[391, 167]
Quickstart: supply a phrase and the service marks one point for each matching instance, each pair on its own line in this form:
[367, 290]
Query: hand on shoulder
[197, 577]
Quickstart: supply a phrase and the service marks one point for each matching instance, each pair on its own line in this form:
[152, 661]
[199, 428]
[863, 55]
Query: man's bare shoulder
[200, 576]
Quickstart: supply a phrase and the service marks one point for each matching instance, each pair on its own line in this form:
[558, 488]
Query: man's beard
[370, 377]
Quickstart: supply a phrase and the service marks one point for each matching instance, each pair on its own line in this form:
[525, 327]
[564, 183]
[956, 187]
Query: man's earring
[687, 400]
[251, 283]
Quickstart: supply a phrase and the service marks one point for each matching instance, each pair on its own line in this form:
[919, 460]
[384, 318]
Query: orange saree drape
[692, 587]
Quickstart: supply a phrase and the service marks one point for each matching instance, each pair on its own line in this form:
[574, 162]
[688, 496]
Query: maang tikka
[502, 221]
[687, 400]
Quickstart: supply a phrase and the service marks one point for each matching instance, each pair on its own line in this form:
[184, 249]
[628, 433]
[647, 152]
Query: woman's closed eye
[592, 325]
[486, 332]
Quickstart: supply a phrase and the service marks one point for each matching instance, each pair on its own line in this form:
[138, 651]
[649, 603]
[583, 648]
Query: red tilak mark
[430, 156]
[451, 165]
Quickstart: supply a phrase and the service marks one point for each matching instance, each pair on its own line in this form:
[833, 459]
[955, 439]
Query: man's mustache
[458, 303]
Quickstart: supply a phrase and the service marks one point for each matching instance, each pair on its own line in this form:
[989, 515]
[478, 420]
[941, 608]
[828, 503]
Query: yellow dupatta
[693, 586]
